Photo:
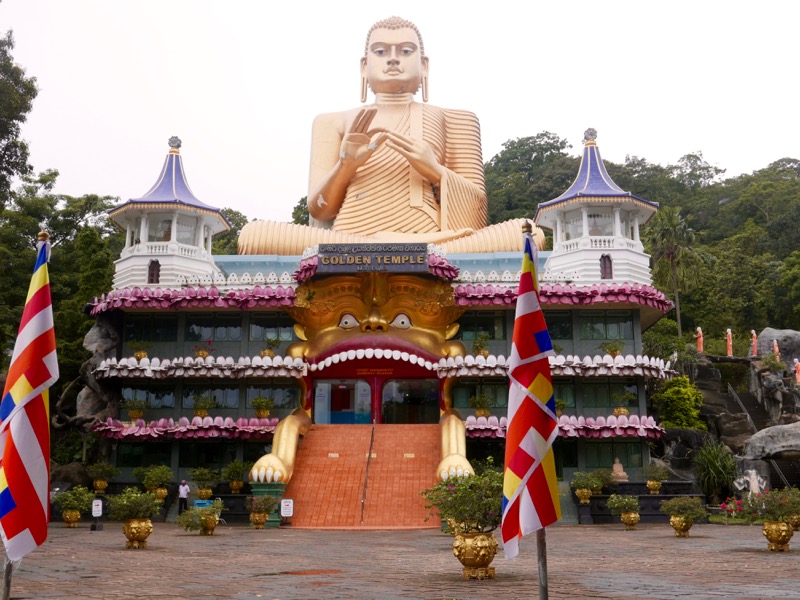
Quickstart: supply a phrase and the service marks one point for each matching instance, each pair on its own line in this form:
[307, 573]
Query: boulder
[679, 445]
[707, 377]
[74, 473]
[772, 441]
[788, 342]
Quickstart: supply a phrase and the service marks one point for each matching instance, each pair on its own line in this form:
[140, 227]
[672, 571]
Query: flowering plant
[773, 505]
[472, 503]
[204, 346]
[732, 507]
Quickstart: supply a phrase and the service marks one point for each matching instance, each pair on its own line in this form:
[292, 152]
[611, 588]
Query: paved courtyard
[239, 563]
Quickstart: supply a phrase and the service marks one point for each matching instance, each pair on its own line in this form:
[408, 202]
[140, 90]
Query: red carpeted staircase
[331, 469]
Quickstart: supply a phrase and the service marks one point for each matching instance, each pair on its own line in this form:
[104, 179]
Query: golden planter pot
[620, 411]
[204, 493]
[100, 486]
[262, 413]
[140, 354]
[201, 353]
[201, 412]
[160, 493]
[681, 525]
[207, 524]
[135, 413]
[137, 531]
[583, 495]
[475, 551]
[482, 412]
[236, 486]
[258, 520]
[267, 352]
[654, 486]
[70, 517]
[778, 535]
[794, 521]
[631, 520]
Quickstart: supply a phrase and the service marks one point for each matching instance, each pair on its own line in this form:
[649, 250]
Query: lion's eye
[401, 321]
[348, 321]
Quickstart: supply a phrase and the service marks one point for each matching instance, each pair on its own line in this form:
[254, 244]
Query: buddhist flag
[25, 429]
[530, 488]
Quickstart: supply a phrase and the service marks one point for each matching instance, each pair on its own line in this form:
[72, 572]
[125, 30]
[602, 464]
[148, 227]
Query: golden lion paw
[268, 469]
[454, 465]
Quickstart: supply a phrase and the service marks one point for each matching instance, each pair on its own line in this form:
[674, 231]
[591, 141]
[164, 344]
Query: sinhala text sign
[391, 258]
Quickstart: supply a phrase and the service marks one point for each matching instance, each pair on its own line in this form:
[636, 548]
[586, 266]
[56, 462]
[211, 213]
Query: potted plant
[260, 507]
[775, 508]
[481, 404]
[605, 477]
[623, 402]
[155, 479]
[561, 406]
[655, 475]
[480, 345]
[135, 407]
[583, 483]
[202, 404]
[140, 348]
[262, 404]
[205, 479]
[203, 349]
[101, 472]
[134, 508]
[683, 511]
[235, 472]
[715, 468]
[626, 508]
[203, 519]
[72, 503]
[473, 505]
[612, 347]
[269, 347]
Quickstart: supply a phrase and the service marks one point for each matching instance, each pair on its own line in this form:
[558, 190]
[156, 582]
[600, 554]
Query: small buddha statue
[618, 474]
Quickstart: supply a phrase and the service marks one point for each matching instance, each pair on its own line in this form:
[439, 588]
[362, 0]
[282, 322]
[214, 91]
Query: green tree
[678, 403]
[228, 242]
[671, 245]
[17, 93]
[300, 214]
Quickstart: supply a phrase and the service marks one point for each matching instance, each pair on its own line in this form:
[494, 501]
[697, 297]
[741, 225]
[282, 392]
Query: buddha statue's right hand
[359, 143]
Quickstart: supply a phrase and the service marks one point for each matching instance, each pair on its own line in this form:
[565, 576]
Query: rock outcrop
[781, 441]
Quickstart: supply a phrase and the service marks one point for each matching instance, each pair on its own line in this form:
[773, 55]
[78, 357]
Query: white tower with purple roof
[596, 227]
[168, 232]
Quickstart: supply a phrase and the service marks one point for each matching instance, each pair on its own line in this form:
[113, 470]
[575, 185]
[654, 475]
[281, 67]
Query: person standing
[183, 496]
[729, 342]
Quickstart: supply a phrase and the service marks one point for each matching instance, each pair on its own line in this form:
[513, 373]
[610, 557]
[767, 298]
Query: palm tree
[670, 241]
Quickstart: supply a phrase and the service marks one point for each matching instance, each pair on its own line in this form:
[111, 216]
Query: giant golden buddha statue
[395, 171]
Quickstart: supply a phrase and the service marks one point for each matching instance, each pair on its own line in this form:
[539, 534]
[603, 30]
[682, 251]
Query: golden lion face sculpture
[353, 316]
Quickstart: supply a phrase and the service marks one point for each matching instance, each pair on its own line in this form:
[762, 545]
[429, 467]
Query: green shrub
[619, 504]
[473, 503]
[585, 481]
[261, 504]
[654, 472]
[690, 508]
[678, 403]
[102, 470]
[157, 476]
[204, 478]
[715, 468]
[78, 498]
[192, 519]
[133, 504]
[236, 470]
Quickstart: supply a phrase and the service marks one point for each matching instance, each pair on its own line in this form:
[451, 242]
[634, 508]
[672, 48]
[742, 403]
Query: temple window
[602, 454]
[606, 325]
[466, 388]
[143, 454]
[284, 393]
[208, 454]
[491, 322]
[151, 328]
[275, 326]
[159, 229]
[573, 222]
[215, 328]
[601, 222]
[154, 272]
[565, 390]
[606, 267]
[225, 397]
[559, 324]
[187, 227]
[156, 397]
[607, 394]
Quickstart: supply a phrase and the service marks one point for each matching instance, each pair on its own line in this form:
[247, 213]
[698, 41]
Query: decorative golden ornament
[160, 493]
[583, 495]
[140, 354]
[258, 520]
[484, 352]
[208, 522]
[621, 410]
[100, 486]
[137, 531]
[204, 493]
[482, 412]
[681, 525]
[475, 551]
[201, 353]
[135, 413]
[71, 517]
[654, 486]
[778, 535]
[262, 413]
[236, 486]
[267, 352]
[201, 412]
[631, 520]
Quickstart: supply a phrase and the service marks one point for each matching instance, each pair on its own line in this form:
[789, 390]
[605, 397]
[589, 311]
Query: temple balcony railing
[598, 243]
[162, 249]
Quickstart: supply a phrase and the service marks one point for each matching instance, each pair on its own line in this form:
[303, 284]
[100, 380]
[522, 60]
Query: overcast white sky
[241, 81]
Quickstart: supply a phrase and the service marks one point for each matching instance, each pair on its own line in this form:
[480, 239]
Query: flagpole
[541, 557]
[8, 568]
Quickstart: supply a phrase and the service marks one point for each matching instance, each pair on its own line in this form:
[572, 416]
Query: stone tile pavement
[239, 563]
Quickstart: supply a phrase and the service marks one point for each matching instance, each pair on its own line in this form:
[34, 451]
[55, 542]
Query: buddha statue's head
[413, 315]
[394, 60]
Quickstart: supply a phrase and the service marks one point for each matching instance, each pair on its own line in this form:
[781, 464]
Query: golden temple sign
[391, 258]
